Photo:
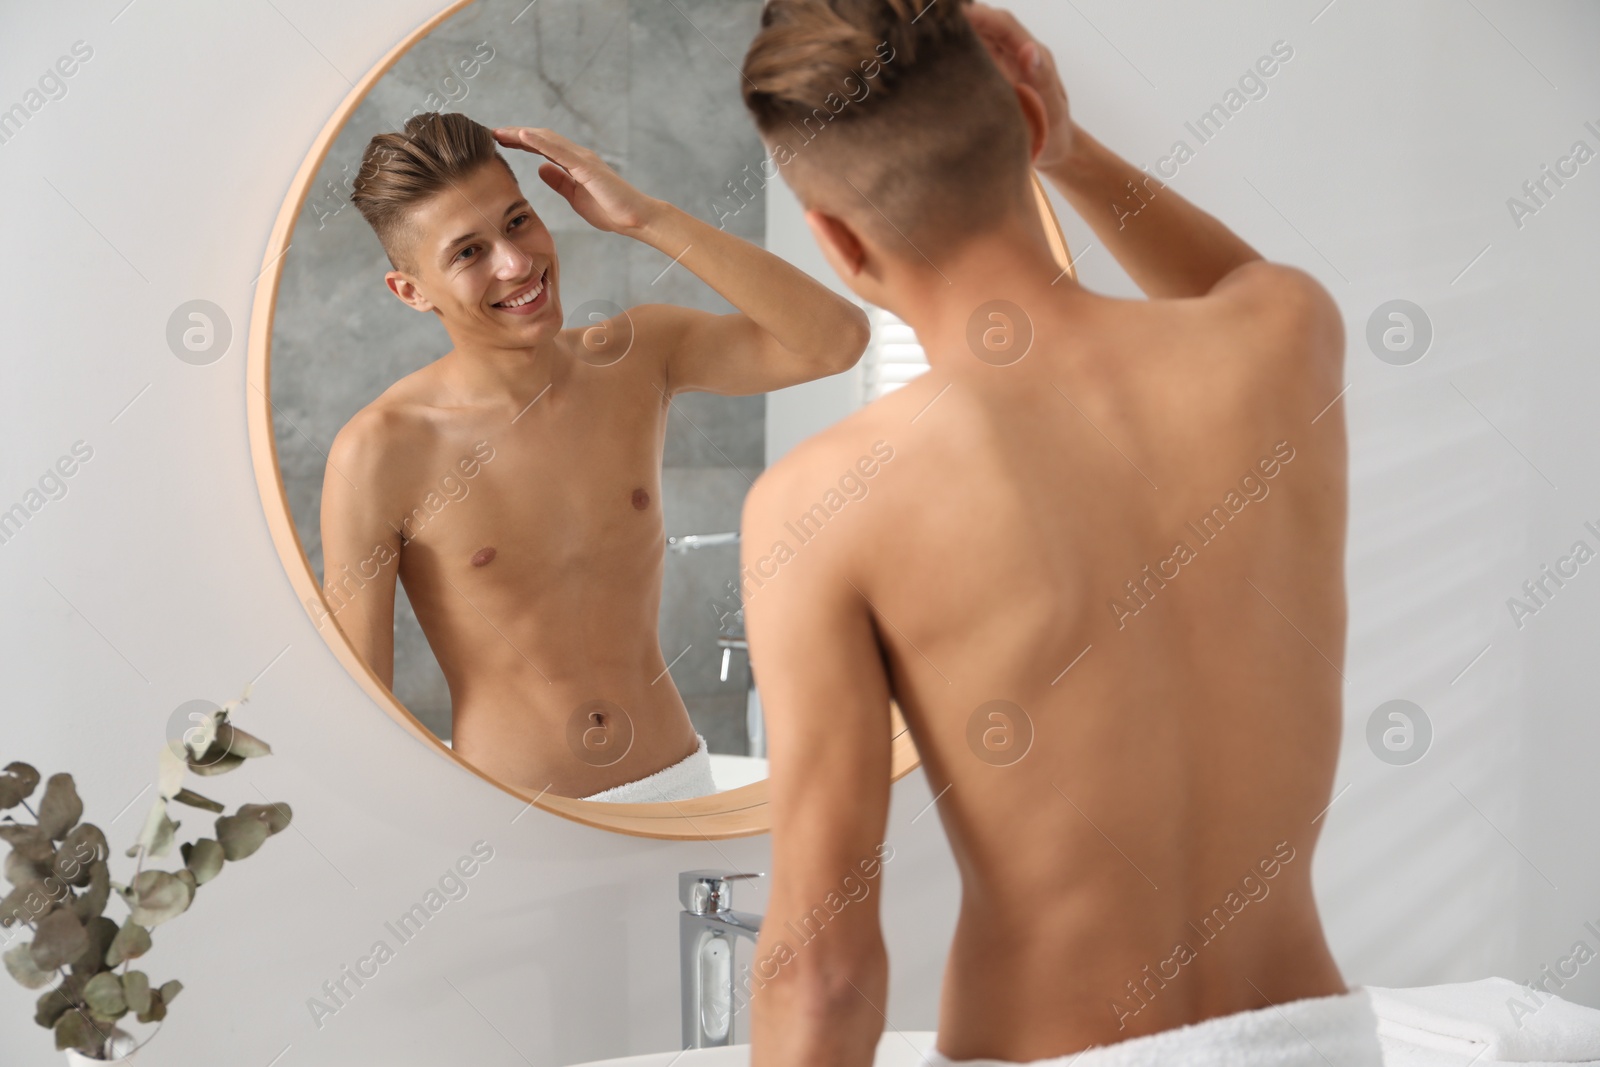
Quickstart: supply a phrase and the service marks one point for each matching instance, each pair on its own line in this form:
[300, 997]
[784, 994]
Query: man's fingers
[546, 143]
[558, 179]
[999, 24]
[1006, 40]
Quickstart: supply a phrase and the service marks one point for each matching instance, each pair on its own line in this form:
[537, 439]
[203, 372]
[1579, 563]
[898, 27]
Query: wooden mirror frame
[737, 812]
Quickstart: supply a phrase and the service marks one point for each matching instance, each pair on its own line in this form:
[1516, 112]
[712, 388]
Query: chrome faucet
[708, 929]
[691, 541]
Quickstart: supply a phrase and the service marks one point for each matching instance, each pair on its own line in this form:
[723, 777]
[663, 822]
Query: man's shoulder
[1279, 297]
[394, 422]
[1268, 323]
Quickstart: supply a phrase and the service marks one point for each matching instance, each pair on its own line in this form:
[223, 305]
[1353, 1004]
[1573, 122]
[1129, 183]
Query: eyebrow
[450, 249]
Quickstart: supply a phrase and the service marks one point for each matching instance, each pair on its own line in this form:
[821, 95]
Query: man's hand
[1169, 247]
[789, 328]
[596, 192]
[1024, 61]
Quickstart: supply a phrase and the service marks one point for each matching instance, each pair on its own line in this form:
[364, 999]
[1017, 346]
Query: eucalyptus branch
[60, 852]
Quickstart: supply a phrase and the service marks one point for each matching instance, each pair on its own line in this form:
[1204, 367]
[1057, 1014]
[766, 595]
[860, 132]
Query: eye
[519, 220]
[463, 253]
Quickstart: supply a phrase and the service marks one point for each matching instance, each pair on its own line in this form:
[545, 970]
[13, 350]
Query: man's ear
[838, 241]
[1036, 115]
[403, 287]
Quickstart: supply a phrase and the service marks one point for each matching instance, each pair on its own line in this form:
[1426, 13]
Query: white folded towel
[690, 777]
[1333, 1031]
[1489, 1021]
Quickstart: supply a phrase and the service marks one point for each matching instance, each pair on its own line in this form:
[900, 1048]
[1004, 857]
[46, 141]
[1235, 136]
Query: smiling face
[483, 261]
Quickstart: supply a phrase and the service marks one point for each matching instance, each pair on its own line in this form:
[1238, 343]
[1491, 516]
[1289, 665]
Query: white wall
[1384, 152]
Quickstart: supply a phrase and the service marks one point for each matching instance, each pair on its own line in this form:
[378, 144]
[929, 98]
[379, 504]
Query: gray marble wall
[653, 86]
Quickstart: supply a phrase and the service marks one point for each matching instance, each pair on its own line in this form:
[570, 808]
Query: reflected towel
[1334, 1031]
[1489, 1021]
[690, 777]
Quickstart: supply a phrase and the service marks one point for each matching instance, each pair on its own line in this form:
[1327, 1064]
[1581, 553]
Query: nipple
[483, 557]
[641, 499]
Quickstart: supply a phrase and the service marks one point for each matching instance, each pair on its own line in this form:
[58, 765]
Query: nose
[511, 262]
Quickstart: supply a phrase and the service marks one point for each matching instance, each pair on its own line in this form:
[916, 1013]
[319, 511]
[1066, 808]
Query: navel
[483, 557]
[641, 499]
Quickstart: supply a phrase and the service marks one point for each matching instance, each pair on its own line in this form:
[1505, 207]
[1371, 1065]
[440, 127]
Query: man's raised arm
[789, 328]
[1168, 246]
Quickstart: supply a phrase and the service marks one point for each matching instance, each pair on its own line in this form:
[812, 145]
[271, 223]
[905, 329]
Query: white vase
[122, 1048]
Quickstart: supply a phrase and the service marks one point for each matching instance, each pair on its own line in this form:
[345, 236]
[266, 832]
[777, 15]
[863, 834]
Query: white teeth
[527, 298]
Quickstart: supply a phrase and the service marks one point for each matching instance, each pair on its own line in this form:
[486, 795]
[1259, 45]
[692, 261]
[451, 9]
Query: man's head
[462, 239]
[892, 124]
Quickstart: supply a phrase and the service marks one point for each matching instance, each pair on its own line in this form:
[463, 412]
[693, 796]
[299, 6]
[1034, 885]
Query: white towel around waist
[1334, 1031]
[690, 777]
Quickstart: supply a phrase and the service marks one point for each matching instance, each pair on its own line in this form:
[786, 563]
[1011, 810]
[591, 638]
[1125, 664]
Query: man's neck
[1012, 263]
[478, 373]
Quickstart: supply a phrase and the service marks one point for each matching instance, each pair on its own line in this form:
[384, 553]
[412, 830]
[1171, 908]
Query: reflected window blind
[893, 357]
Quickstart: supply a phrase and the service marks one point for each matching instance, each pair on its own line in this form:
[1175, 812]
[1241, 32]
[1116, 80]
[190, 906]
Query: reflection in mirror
[516, 413]
[506, 477]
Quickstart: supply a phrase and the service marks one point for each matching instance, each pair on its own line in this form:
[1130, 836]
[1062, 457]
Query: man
[1099, 567]
[514, 484]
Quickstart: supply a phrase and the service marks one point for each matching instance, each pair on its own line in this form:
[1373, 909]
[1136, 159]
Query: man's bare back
[1101, 574]
[1114, 767]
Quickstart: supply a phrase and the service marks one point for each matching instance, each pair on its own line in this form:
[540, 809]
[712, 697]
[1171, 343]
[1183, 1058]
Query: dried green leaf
[20, 963]
[25, 904]
[204, 857]
[157, 896]
[101, 931]
[78, 851]
[241, 834]
[60, 809]
[170, 990]
[50, 1007]
[58, 939]
[221, 765]
[92, 901]
[276, 816]
[75, 1030]
[17, 783]
[157, 1010]
[131, 942]
[72, 985]
[239, 743]
[20, 870]
[28, 840]
[136, 991]
[104, 996]
[195, 800]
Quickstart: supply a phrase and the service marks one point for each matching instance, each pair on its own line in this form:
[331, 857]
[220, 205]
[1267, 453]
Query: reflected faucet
[688, 541]
[708, 929]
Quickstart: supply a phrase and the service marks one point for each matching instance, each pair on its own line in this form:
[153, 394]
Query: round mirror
[551, 598]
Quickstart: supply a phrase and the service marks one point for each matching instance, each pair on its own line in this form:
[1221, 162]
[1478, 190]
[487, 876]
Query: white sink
[902, 1048]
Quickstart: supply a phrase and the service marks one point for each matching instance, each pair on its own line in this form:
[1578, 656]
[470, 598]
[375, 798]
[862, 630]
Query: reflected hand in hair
[1026, 62]
[600, 196]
